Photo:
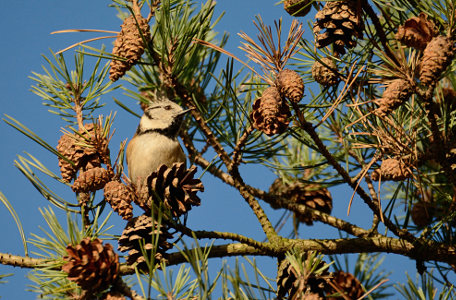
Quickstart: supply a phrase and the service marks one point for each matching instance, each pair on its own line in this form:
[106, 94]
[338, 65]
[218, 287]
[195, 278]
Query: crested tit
[155, 141]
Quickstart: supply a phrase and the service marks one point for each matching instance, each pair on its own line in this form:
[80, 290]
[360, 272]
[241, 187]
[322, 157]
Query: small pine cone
[422, 213]
[391, 169]
[311, 195]
[91, 180]
[323, 72]
[347, 283]
[129, 45]
[290, 85]
[341, 20]
[296, 285]
[138, 232]
[69, 150]
[437, 55]
[270, 113]
[91, 265]
[297, 8]
[175, 187]
[417, 32]
[119, 197]
[396, 93]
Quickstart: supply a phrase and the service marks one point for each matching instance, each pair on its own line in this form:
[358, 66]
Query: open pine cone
[173, 186]
[346, 283]
[91, 265]
[391, 169]
[270, 113]
[140, 230]
[417, 32]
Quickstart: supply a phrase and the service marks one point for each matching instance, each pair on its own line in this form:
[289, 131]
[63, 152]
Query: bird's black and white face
[164, 116]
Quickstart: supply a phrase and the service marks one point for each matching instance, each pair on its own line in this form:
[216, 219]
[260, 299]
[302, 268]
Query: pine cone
[298, 285]
[140, 230]
[341, 21]
[391, 169]
[119, 197]
[113, 295]
[91, 180]
[290, 85]
[417, 32]
[437, 56]
[270, 113]
[91, 265]
[323, 72]
[422, 213]
[396, 93]
[348, 284]
[311, 195]
[129, 45]
[297, 8]
[175, 187]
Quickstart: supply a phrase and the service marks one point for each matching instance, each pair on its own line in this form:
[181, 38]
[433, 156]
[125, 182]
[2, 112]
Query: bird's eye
[168, 107]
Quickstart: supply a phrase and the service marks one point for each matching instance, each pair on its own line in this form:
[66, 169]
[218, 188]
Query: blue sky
[25, 30]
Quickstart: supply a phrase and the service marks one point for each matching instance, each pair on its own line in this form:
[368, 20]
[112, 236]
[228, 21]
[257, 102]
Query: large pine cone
[91, 265]
[341, 20]
[348, 284]
[119, 197]
[311, 195]
[129, 45]
[270, 113]
[323, 72]
[396, 93]
[140, 230]
[437, 56]
[391, 169]
[417, 32]
[290, 85]
[91, 180]
[297, 8]
[175, 187]
[298, 285]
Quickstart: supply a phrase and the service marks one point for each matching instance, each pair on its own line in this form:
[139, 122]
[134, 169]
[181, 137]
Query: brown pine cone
[300, 284]
[119, 197]
[323, 72]
[270, 113]
[175, 187]
[396, 93]
[297, 8]
[391, 169]
[422, 213]
[290, 85]
[437, 56]
[311, 195]
[129, 45]
[138, 232]
[417, 32]
[91, 180]
[341, 20]
[348, 284]
[91, 265]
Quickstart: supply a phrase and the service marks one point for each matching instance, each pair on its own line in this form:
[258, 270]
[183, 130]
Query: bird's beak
[184, 112]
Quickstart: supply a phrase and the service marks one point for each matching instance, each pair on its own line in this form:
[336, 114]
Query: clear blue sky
[25, 28]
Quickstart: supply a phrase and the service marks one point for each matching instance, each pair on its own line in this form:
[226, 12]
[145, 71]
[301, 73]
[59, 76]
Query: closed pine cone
[140, 230]
[311, 195]
[91, 265]
[437, 56]
[416, 32]
[348, 284]
[175, 187]
[290, 85]
[341, 20]
[422, 213]
[119, 197]
[91, 180]
[299, 285]
[396, 93]
[297, 8]
[129, 45]
[391, 169]
[270, 114]
[323, 72]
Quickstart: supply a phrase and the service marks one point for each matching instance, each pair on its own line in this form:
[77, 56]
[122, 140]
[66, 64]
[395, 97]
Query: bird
[155, 141]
